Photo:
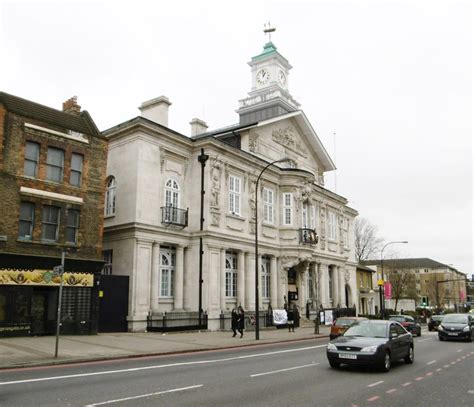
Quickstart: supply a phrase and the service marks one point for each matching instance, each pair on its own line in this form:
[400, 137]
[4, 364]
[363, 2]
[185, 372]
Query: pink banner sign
[388, 290]
[462, 295]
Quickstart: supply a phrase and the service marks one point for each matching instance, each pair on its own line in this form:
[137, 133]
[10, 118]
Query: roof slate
[82, 122]
[407, 263]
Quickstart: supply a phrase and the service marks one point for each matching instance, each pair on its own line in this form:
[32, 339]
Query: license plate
[347, 356]
[452, 334]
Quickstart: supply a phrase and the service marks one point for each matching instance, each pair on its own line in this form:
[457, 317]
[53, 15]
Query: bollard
[316, 325]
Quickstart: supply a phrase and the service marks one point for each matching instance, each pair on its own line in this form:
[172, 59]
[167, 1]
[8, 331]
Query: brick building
[52, 177]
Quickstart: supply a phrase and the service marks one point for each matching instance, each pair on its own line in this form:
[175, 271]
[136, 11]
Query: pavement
[40, 350]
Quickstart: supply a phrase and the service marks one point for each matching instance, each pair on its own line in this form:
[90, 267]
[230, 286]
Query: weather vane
[268, 30]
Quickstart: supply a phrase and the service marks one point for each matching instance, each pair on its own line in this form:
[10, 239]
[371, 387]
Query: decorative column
[241, 278]
[222, 285]
[179, 279]
[250, 282]
[190, 293]
[342, 291]
[325, 285]
[260, 299]
[274, 282]
[155, 276]
[304, 288]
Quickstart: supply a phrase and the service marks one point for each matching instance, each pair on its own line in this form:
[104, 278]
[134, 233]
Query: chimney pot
[156, 110]
[198, 126]
[71, 106]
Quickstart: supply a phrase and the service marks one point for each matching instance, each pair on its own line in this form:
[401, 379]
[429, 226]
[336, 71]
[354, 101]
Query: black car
[435, 320]
[408, 322]
[456, 326]
[372, 342]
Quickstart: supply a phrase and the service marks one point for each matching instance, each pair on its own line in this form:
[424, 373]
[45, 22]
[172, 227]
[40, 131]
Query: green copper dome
[268, 49]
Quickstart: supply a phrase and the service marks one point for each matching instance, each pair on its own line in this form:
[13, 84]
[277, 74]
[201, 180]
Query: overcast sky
[392, 79]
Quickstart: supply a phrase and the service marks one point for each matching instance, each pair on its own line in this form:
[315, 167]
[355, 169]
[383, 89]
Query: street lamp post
[257, 322]
[382, 287]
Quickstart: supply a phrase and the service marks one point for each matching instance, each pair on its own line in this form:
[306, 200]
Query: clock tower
[269, 96]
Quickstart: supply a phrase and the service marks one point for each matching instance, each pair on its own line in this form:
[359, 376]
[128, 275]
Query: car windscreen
[455, 319]
[398, 319]
[344, 322]
[367, 330]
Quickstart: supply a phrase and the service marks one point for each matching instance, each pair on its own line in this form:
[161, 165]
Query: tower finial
[268, 30]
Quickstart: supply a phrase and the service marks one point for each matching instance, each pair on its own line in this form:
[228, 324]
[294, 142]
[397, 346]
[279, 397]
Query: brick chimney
[71, 106]
[156, 110]
[198, 126]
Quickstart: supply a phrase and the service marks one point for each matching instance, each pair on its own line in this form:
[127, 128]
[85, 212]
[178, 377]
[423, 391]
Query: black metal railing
[172, 215]
[176, 321]
[308, 236]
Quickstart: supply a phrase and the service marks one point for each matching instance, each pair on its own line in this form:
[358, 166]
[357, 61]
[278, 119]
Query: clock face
[263, 76]
[282, 78]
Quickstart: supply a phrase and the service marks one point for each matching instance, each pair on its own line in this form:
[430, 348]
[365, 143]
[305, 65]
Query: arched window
[110, 196]
[171, 200]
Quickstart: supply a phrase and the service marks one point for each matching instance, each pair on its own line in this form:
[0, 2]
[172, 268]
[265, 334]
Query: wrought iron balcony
[308, 236]
[171, 215]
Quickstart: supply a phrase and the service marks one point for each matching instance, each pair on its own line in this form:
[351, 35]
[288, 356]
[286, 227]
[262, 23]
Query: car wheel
[430, 329]
[440, 338]
[411, 355]
[387, 363]
[334, 365]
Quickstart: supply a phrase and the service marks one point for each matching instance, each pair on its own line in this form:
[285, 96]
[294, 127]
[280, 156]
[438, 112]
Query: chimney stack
[198, 126]
[71, 106]
[156, 110]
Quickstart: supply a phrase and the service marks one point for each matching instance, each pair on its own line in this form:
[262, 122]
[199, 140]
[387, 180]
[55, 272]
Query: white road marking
[423, 340]
[459, 350]
[283, 370]
[470, 391]
[137, 369]
[391, 391]
[430, 363]
[375, 384]
[144, 395]
[406, 384]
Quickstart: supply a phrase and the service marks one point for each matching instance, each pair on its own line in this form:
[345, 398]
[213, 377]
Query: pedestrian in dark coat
[291, 318]
[234, 322]
[241, 321]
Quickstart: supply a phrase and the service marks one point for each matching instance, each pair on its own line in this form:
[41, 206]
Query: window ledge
[235, 216]
[112, 215]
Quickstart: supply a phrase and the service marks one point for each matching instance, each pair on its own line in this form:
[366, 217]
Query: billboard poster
[388, 290]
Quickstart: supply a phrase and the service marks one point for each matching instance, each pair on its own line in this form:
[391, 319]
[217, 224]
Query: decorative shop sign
[29, 277]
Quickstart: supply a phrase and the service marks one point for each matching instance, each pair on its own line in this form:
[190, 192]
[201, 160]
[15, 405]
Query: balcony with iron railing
[171, 215]
[308, 236]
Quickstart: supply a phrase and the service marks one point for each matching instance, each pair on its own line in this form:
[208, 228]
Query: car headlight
[466, 328]
[369, 349]
[440, 328]
[331, 346]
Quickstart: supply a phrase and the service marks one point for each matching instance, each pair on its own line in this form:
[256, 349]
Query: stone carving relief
[347, 276]
[322, 220]
[216, 171]
[162, 160]
[215, 219]
[320, 177]
[287, 138]
[253, 143]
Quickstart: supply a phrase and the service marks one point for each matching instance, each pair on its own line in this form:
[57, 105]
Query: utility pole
[59, 270]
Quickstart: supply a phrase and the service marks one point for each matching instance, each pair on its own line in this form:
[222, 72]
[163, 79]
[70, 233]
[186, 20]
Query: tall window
[230, 275]
[345, 232]
[331, 282]
[171, 200]
[167, 269]
[31, 159]
[72, 226]
[108, 257]
[310, 285]
[265, 275]
[331, 225]
[75, 177]
[305, 224]
[234, 194]
[287, 209]
[268, 205]
[50, 223]
[110, 196]
[27, 215]
[55, 164]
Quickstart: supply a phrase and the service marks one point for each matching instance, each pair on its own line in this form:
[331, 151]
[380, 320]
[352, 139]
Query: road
[295, 374]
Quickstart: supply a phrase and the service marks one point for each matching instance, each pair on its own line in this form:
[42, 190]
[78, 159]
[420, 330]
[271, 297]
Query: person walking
[291, 318]
[234, 322]
[241, 321]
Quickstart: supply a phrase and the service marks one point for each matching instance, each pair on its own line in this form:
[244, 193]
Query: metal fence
[176, 321]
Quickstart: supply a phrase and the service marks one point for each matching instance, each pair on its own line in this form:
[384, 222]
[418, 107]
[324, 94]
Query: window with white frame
[77, 161]
[234, 194]
[31, 159]
[171, 200]
[50, 223]
[110, 196]
[332, 225]
[230, 275]
[27, 216]
[287, 209]
[107, 255]
[305, 216]
[167, 270]
[265, 276]
[55, 164]
[268, 205]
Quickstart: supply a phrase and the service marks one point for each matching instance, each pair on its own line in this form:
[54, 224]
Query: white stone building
[152, 223]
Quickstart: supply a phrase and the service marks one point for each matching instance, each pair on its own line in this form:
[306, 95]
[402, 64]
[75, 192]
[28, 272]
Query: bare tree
[367, 243]
[403, 285]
